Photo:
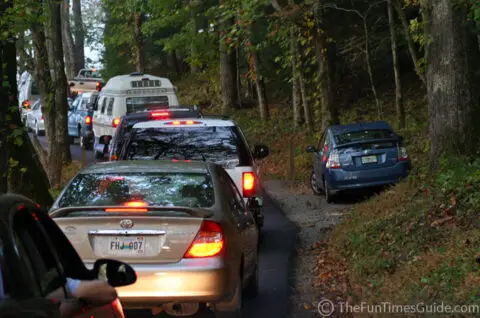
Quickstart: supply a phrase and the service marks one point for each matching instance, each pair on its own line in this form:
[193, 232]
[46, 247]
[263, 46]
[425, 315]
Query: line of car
[179, 198]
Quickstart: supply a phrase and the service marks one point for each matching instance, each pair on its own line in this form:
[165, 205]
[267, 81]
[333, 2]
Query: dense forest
[286, 69]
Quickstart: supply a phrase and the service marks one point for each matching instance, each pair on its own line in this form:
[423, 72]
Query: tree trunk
[175, 65]
[303, 93]
[228, 85]
[411, 45]
[238, 75]
[329, 114]
[79, 33]
[369, 69]
[60, 85]
[398, 84]
[27, 177]
[325, 56]
[296, 96]
[139, 43]
[67, 41]
[452, 95]
[193, 46]
[260, 85]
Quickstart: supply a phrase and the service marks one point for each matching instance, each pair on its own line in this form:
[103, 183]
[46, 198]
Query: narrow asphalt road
[276, 262]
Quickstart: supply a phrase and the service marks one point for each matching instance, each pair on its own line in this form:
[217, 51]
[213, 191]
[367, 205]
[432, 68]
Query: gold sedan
[183, 226]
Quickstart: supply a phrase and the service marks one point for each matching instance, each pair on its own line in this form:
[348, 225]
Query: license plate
[128, 246]
[369, 159]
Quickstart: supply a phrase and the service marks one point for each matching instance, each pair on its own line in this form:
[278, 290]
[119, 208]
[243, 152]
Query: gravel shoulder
[314, 219]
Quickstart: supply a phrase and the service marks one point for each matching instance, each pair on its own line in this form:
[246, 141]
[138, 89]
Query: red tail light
[42, 117]
[114, 157]
[208, 242]
[325, 150]
[115, 122]
[88, 120]
[248, 183]
[159, 115]
[26, 103]
[402, 154]
[183, 122]
[98, 86]
[333, 161]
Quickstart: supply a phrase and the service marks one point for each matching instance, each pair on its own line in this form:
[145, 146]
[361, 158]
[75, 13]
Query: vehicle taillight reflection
[160, 114]
[183, 122]
[135, 204]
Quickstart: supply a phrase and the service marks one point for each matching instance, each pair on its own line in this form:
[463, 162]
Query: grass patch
[418, 241]
[68, 172]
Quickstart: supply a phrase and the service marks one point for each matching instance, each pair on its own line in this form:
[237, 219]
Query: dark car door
[318, 158]
[22, 296]
[51, 256]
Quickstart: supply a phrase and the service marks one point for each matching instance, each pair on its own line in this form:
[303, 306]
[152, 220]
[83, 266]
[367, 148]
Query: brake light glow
[88, 120]
[126, 210]
[333, 161]
[248, 183]
[402, 154]
[98, 86]
[183, 122]
[115, 122]
[159, 114]
[114, 157]
[26, 103]
[135, 204]
[209, 241]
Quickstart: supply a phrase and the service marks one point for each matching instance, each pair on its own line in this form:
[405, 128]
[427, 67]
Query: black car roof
[175, 112]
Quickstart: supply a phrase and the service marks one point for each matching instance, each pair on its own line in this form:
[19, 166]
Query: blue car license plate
[369, 159]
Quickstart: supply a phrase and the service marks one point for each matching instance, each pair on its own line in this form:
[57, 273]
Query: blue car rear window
[363, 135]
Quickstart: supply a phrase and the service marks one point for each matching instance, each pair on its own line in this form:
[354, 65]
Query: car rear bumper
[340, 179]
[190, 280]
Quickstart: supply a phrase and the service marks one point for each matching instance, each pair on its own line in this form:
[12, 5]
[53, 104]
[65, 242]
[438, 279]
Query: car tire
[234, 308]
[253, 287]
[98, 155]
[38, 132]
[314, 184]
[329, 196]
[82, 141]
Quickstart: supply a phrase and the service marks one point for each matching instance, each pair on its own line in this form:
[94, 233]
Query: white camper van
[28, 92]
[125, 94]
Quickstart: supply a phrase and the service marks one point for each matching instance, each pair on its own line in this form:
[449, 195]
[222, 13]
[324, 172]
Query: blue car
[356, 156]
[80, 117]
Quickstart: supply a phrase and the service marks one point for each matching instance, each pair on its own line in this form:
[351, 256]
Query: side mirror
[260, 151]
[116, 273]
[311, 149]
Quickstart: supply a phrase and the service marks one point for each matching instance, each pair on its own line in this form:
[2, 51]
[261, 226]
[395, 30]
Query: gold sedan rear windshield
[154, 189]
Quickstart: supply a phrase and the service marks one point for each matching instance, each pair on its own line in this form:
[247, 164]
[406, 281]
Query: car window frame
[228, 186]
[34, 260]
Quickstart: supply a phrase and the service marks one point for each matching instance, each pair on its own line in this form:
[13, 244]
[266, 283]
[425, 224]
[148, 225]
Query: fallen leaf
[441, 221]
[381, 237]
[453, 199]
[307, 306]
[324, 275]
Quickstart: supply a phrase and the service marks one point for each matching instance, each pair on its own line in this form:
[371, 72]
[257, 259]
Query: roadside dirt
[315, 220]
